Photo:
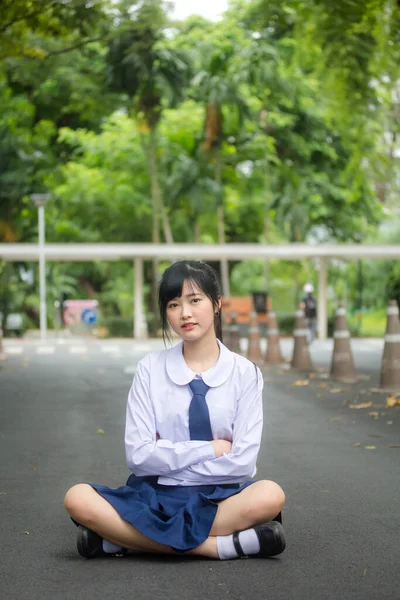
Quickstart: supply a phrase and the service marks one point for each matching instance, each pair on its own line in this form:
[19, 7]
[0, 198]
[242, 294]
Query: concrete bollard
[301, 355]
[273, 355]
[390, 370]
[3, 355]
[254, 349]
[234, 335]
[226, 331]
[342, 365]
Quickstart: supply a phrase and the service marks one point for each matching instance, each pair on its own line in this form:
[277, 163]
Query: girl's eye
[196, 300]
[172, 305]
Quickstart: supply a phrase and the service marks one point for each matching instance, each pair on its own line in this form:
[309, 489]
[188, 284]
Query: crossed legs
[259, 502]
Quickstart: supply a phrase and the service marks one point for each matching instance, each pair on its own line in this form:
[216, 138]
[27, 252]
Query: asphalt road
[62, 420]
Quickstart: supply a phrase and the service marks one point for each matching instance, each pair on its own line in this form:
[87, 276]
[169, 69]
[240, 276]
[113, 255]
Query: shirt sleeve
[145, 455]
[240, 463]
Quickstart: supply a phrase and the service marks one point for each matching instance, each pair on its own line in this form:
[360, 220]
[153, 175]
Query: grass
[371, 323]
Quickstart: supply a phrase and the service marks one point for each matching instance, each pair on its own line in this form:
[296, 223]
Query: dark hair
[171, 284]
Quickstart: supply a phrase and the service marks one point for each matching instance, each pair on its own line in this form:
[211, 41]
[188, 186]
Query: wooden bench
[243, 306]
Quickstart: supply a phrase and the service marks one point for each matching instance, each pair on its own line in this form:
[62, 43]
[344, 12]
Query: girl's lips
[189, 326]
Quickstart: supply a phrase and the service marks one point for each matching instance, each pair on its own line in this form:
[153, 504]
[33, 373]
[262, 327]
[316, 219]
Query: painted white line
[392, 337]
[130, 370]
[45, 350]
[142, 348]
[14, 350]
[77, 349]
[110, 349]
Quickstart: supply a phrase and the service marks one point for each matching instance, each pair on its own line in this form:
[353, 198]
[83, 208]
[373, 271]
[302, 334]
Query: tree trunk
[155, 231]
[158, 201]
[226, 292]
[266, 262]
[197, 231]
[266, 227]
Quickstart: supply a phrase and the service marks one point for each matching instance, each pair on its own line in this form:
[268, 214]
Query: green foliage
[283, 119]
[119, 327]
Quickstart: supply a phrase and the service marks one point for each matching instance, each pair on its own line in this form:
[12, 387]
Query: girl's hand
[221, 447]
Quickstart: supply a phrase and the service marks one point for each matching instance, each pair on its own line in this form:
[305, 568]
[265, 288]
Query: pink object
[81, 303]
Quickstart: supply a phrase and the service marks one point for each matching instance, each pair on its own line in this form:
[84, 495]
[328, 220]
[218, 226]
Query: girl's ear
[219, 303]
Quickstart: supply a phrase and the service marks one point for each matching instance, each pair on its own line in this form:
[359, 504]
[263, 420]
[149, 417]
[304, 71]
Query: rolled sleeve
[145, 455]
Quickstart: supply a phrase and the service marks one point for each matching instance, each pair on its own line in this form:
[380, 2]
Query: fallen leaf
[336, 390]
[300, 383]
[356, 445]
[365, 572]
[336, 419]
[33, 468]
[389, 422]
[323, 385]
[3, 493]
[312, 375]
[394, 445]
[370, 447]
[392, 401]
[374, 414]
[26, 532]
[100, 431]
[363, 405]
[280, 372]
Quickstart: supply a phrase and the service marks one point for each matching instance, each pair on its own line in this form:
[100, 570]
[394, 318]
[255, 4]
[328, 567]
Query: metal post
[138, 319]
[42, 276]
[322, 315]
[41, 200]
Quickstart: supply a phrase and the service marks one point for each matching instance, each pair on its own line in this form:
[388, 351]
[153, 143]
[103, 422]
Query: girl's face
[191, 315]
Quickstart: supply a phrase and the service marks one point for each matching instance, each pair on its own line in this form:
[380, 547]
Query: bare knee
[273, 492]
[270, 499]
[77, 501]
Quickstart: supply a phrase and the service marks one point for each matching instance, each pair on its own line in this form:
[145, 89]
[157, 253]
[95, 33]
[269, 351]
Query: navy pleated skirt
[177, 516]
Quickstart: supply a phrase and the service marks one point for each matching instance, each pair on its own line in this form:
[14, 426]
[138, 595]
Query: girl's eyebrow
[187, 296]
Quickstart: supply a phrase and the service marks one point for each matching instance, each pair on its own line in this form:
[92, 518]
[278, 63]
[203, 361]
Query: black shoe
[90, 545]
[271, 537]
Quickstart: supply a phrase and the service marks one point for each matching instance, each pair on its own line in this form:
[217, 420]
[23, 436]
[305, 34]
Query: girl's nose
[186, 310]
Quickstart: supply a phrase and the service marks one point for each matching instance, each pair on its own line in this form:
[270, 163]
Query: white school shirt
[158, 406]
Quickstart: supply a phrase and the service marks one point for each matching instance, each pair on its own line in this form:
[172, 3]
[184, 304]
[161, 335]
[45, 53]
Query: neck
[202, 354]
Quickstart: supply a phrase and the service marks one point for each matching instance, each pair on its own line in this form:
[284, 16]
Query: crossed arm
[217, 461]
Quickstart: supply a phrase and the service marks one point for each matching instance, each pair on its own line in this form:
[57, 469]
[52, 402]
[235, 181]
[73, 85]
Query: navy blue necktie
[199, 416]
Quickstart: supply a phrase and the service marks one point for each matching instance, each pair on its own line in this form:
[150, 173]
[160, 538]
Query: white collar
[181, 374]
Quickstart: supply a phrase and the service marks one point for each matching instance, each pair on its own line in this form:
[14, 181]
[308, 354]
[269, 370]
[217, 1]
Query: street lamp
[41, 200]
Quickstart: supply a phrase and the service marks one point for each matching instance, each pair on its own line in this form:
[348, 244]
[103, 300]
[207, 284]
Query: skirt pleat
[180, 517]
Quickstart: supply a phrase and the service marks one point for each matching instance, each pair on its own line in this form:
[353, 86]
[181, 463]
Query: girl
[193, 431]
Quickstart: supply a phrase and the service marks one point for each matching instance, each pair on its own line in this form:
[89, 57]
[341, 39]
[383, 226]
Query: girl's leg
[257, 503]
[91, 510]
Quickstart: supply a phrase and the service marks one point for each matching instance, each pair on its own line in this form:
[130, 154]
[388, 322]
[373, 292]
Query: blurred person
[193, 430]
[310, 312]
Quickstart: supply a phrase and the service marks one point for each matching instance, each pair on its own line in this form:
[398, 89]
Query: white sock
[111, 548]
[248, 541]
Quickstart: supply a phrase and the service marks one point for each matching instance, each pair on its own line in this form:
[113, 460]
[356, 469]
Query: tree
[25, 23]
[153, 74]
[217, 86]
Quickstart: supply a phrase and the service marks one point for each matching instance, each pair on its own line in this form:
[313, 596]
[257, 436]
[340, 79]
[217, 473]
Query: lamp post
[41, 200]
